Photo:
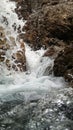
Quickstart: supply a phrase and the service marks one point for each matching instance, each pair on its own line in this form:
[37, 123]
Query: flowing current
[32, 100]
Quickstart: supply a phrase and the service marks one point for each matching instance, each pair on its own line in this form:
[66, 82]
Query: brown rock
[8, 64]
[50, 52]
[2, 33]
[2, 56]
[22, 46]
[2, 59]
[19, 61]
[53, 20]
[63, 64]
[12, 41]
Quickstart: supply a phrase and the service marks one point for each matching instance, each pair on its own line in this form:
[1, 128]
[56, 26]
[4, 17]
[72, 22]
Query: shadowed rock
[63, 64]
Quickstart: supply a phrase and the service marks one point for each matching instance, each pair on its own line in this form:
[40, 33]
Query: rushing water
[32, 100]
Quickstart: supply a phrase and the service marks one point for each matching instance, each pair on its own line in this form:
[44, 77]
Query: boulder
[53, 51]
[52, 20]
[47, 21]
[63, 64]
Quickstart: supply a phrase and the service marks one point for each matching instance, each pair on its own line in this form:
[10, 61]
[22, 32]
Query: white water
[32, 81]
[20, 108]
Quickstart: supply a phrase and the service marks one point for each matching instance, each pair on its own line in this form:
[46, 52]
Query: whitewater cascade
[29, 100]
[35, 63]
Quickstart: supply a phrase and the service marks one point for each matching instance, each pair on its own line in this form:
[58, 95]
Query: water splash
[32, 100]
[33, 80]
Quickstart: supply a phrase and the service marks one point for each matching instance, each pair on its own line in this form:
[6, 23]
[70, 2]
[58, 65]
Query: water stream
[32, 100]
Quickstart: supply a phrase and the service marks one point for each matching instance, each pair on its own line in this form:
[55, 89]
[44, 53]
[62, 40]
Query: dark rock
[47, 21]
[67, 110]
[26, 7]
[69, 76]
[53, 20]
[63, 64]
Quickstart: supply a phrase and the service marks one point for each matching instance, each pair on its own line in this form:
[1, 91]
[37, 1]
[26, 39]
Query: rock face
[9, 55]
[50, 25]
[48, 22]
[54, 20]
[63, 64]
[26, 7]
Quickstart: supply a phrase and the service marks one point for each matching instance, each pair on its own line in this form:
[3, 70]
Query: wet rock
[69, 76]
[48, 22]
[52, 20]
[19, 61]
[12, 41]
[48, 71]
[26, 7]
[53, 110]
[7, 48]
[8, 63]
[2, 33]
[53, 51]
[69, 111]
[63, 64]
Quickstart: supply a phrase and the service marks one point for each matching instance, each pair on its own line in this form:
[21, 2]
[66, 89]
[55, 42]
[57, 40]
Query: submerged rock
[52, 111]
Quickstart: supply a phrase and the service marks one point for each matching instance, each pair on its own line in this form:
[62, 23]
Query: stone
[69, 76]
[63, 64]
[2, 56]
[8, 64]
[22, 45]
[2, 33]
[54, 20]
[16, 60]
[19, 61]
[12, 41]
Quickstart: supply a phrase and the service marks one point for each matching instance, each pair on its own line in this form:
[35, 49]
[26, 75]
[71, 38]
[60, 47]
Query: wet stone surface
[52, 112]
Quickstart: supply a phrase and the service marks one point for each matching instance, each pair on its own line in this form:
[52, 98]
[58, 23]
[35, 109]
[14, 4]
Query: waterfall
[17, 81]
[18, 89]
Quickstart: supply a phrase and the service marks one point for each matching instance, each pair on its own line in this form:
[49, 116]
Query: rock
[48, 21]
[63, 64]
[48, 71]
[26, 7]
[50, 52]
[69, 76]
[49, 25]
[2, 33]
[53, 51]
[20, 56]
[2, 56]
[2, 59]
[8, 64]
[7, 47]
[19, 61]
[22, 46]
[53, 20]
[12, 41]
